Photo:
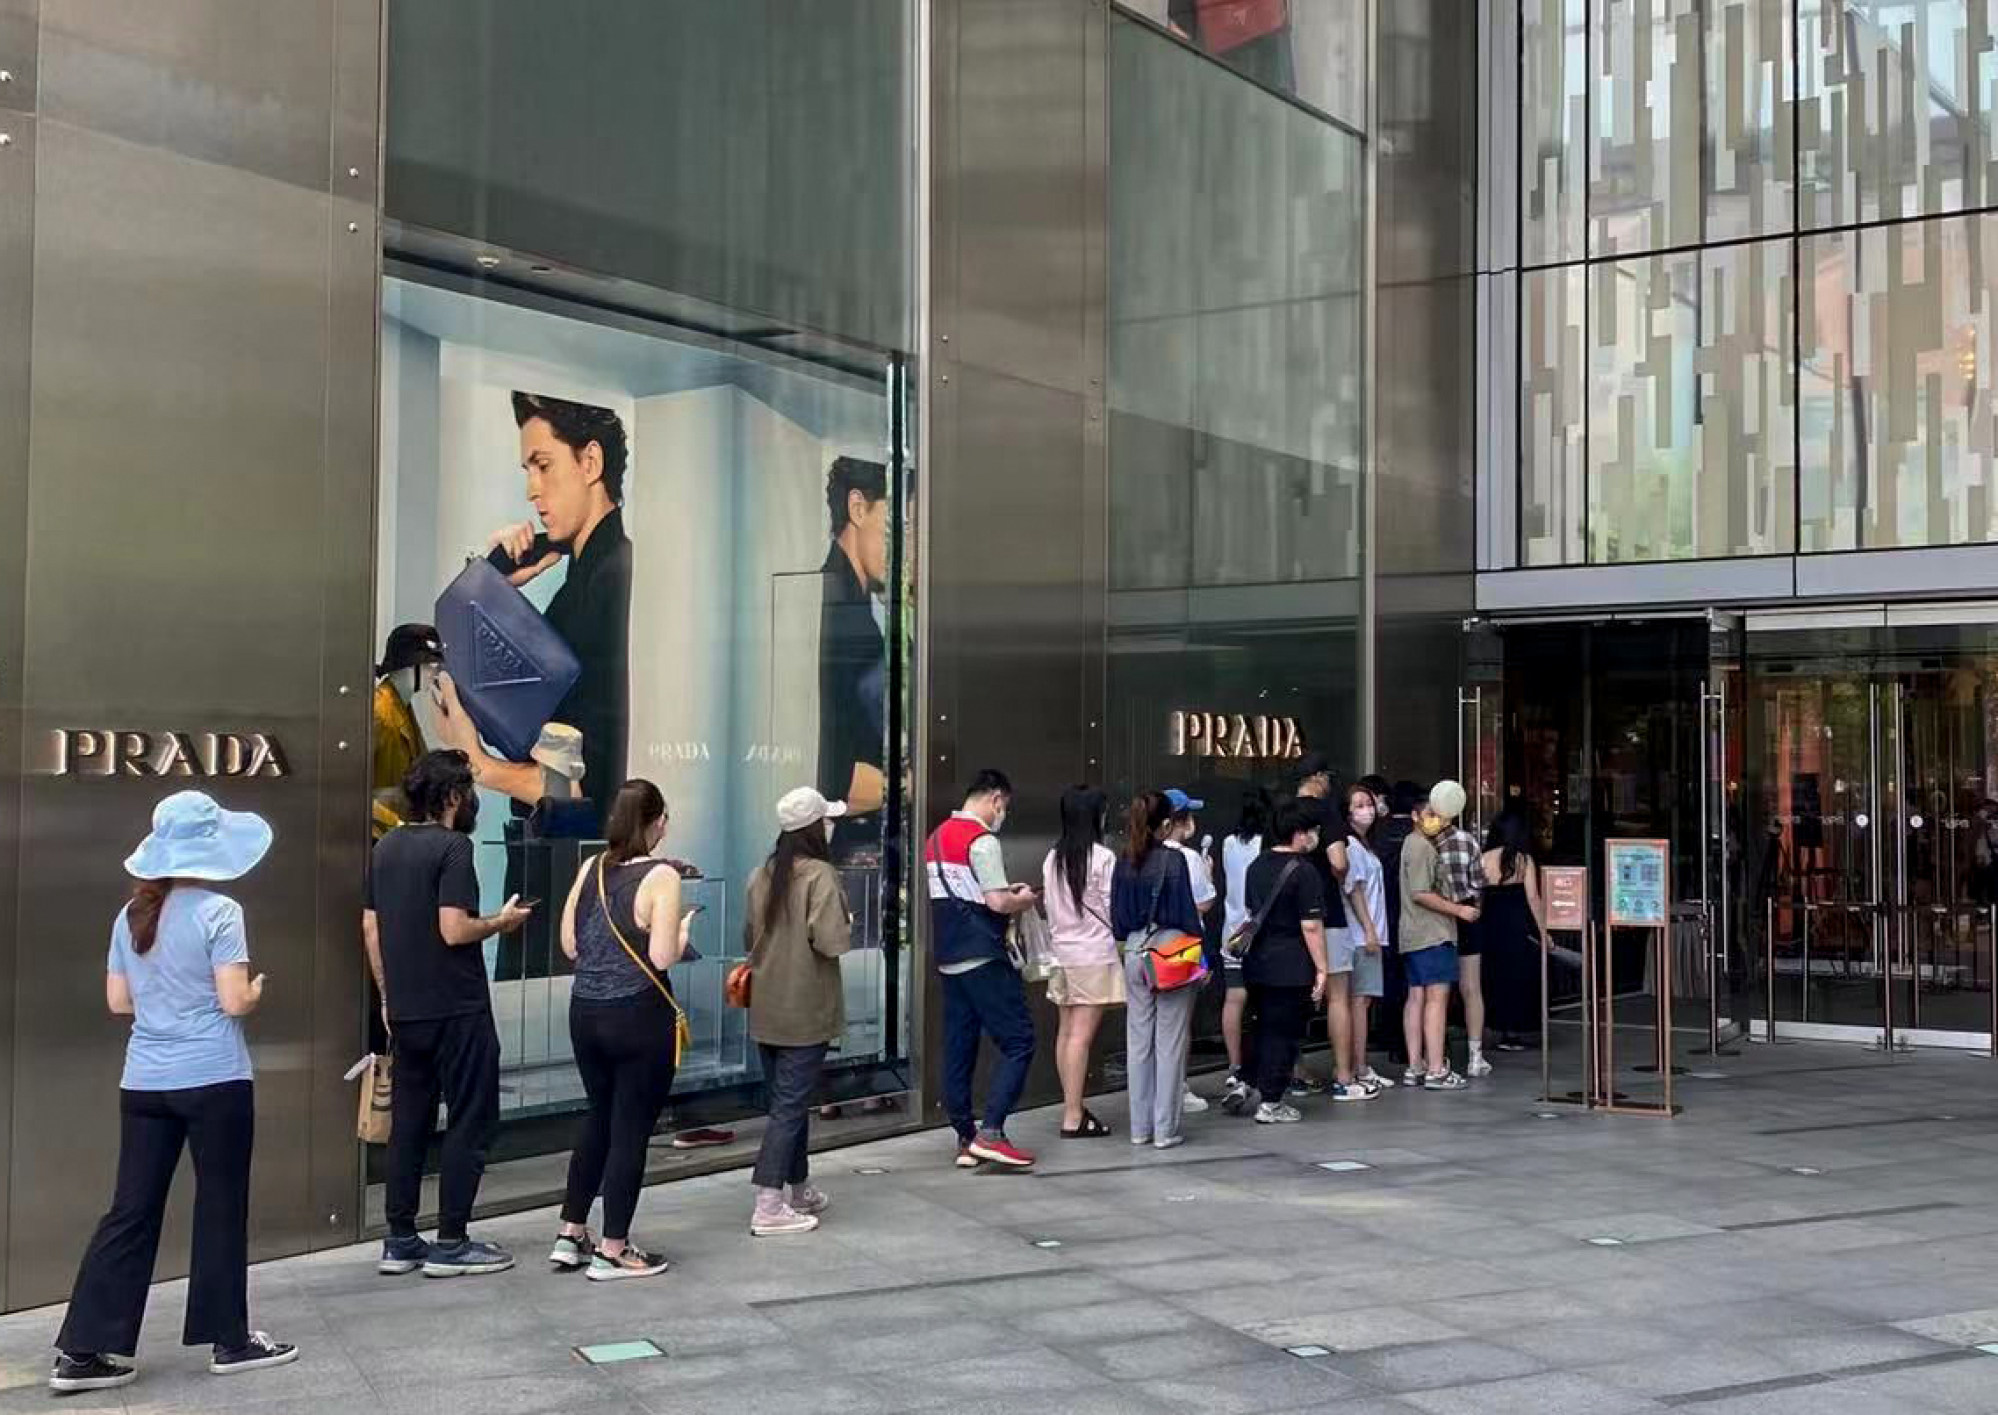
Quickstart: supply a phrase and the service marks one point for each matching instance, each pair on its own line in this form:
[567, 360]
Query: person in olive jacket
[797, 928]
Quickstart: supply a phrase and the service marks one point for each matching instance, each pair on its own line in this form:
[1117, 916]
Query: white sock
[1477, 1049]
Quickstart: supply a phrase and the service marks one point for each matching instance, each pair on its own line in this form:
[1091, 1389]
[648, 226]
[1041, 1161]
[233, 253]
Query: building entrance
[1871, 824]
[1829, 782]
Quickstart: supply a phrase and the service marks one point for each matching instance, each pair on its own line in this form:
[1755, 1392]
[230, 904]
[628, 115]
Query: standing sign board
[1638, 895]
[1567, 890]
[1636, 873]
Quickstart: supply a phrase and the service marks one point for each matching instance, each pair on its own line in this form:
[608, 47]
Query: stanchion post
[1665, 1015]
[1769, 974]
[1546, 1029]
[1886, 936]
[1992, 924]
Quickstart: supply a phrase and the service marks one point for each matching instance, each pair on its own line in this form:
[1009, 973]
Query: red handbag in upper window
[1229, 24]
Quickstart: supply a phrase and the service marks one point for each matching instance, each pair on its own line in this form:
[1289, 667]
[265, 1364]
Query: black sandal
[1090, 1129]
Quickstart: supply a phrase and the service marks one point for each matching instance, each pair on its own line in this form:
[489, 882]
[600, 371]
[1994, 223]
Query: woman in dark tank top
[622, 1025]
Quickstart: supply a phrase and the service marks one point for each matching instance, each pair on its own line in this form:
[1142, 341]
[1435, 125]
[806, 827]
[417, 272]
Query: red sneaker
[1000, 1150]
[702, 1139]
[965, 1158]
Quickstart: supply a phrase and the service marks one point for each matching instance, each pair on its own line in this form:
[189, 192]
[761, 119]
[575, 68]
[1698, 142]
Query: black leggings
[624, 1050]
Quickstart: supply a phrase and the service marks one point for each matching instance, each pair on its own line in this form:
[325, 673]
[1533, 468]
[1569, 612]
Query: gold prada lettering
[1220, 734]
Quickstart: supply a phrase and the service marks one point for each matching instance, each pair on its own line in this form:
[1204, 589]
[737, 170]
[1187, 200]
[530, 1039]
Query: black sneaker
[465, 1259]
[253, 1355]
[402, 1255]
[572, 1251]
[630, 1262]
[89, 1370]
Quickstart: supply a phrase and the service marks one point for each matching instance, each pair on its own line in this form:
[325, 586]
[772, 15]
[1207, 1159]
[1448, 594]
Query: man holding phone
[423, 930]
[971, 902]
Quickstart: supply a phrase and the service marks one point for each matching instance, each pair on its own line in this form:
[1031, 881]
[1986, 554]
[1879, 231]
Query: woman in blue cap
[180, 969]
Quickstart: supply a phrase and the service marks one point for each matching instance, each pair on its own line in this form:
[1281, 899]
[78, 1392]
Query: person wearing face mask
[623, 929]
[1430, 915]
[970, 904]
[1286, 966]
[422, 930]
[1185, 826]
[798, 927]
[1362, 978]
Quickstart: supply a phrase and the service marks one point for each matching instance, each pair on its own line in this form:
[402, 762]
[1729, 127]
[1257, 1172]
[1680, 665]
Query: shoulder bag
[1173, 959]
[683, 1030]
[1243, 939]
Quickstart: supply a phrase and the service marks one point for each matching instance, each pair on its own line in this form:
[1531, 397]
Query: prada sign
[97, 751]
[1220, 734]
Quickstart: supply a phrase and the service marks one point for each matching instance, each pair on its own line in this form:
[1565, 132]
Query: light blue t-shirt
[181, 1037]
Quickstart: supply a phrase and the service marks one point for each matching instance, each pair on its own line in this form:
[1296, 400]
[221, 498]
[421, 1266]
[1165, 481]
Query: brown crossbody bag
[683, 1030]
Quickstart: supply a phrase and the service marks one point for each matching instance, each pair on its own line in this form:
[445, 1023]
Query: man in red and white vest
[970, 904]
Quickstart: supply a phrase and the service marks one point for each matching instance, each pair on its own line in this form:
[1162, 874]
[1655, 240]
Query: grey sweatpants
[1158, 1032]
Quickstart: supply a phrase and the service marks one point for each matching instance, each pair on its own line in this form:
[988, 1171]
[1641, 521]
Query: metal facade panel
[244, 86]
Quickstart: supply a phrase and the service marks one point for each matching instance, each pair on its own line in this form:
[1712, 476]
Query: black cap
[1309, 765]
[409, 645]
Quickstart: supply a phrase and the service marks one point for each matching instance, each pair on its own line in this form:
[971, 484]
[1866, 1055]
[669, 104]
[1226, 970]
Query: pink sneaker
[807, 1200]
[779, 1220]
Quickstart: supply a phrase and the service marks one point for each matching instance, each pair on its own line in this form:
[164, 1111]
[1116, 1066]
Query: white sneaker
[1358, 1091]
[1413, 1076]
[1479, 1066]
[779, 1221]
[1376, 1080]
[1279, 1114]
[1192, 1104]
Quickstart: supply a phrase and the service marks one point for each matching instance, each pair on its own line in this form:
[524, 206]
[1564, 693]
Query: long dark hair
[636, 806]
[1082, 810]
[792, 846]
[1149, 811]
[1254, 821]
[142, 915]
[1360, 788]
[1511, 834]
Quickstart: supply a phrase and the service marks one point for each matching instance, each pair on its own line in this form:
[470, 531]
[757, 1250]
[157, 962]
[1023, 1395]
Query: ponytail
[1149, 811]
[142, 915]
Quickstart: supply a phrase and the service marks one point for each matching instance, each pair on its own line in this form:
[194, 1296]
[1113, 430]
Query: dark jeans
[791, 1076]
[624, 1050]
[1282, 1014]
[456, 1058]
[986, 1002]
[218, 1124]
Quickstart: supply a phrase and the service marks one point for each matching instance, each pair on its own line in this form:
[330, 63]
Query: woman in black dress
[1512, 929]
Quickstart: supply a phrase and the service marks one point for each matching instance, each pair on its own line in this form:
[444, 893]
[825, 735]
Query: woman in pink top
[1088, 976]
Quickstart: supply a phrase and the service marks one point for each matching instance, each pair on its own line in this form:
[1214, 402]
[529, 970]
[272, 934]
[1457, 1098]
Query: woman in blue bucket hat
[180, 969]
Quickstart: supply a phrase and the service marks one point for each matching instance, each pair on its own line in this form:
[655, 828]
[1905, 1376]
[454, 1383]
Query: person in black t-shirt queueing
[1285, 967]
[423, 930]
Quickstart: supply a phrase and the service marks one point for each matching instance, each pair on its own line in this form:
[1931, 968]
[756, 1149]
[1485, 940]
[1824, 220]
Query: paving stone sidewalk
[1816, 1234]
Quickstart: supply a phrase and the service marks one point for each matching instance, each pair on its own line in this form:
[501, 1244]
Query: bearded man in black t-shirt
[423, 930]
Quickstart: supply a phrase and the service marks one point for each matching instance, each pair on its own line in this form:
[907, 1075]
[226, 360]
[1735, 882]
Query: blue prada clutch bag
[511, 668]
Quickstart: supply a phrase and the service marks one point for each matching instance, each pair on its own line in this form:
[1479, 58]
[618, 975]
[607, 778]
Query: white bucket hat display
[804, 807]
[560, 750]
[193, 838]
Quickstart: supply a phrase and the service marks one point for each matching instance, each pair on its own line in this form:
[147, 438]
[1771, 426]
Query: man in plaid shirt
[1440, 890]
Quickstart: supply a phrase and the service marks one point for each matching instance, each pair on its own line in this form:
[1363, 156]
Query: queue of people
[1325, 903]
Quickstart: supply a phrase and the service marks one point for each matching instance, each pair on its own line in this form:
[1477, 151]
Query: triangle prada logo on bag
[496, 661]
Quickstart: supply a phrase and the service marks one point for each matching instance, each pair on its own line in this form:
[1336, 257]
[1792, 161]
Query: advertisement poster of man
[853, 657]
[711, 532]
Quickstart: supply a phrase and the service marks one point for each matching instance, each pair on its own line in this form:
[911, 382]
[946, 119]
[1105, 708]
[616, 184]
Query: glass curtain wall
[1236, 233]
[1236, 382]
[1756, 304]
[644, 378]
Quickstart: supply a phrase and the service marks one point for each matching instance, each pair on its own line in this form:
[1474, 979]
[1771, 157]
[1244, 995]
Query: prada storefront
[862, 394]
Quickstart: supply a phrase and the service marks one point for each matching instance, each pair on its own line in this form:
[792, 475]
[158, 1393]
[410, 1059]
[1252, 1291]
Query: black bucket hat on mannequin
[410, 646]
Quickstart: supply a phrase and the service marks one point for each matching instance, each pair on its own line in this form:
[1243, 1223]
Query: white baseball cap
[806, 807]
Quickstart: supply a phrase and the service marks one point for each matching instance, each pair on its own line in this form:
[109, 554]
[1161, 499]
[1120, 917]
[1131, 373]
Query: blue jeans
[986, 1002]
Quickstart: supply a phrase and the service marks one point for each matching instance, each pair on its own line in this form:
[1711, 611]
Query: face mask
[1363, 815]
[998, 820]
[1431, 823]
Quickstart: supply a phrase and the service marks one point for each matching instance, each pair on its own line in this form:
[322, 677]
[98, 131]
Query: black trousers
[624, 1050]
[1282, 1014]
[791, 1076]
[456, 1058]
[218, 1124]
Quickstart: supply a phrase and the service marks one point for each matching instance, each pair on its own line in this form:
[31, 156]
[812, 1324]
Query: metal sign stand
[1647, 906]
